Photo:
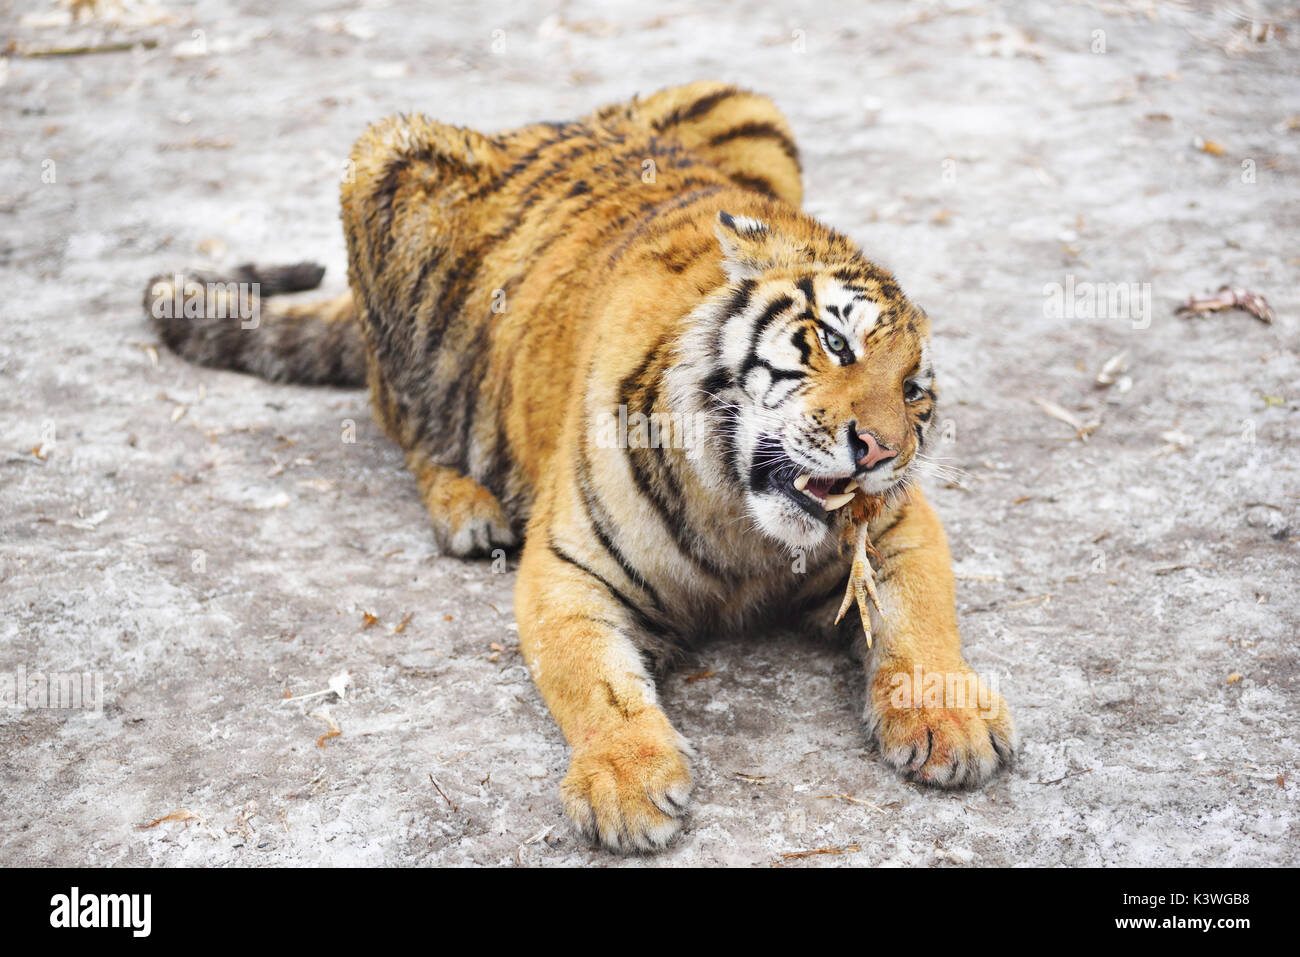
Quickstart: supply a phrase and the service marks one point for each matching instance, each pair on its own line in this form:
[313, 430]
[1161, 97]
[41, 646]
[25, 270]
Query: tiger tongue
[821, 487]
[823, 490]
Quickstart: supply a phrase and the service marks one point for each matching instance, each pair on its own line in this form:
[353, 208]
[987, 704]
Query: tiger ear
[747, 246]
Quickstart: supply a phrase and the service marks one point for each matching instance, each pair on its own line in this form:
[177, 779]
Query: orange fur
[519, 292]
[588, 247]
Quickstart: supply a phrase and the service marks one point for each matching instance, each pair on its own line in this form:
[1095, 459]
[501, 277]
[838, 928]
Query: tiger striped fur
[522, 297]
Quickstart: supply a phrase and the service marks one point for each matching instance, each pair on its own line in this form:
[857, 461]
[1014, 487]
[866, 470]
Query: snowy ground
[208, 543]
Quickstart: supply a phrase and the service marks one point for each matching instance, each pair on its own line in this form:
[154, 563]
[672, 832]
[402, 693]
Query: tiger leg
[467, 519]
[629, 776]
[932, 717]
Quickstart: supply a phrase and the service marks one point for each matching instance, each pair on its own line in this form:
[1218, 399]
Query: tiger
[521, 305]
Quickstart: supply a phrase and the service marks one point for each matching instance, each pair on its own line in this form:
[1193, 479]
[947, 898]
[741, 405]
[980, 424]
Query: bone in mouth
[861, 586]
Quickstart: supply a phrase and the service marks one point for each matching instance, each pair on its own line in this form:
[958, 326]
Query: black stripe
[559, 226]
[754, 184]
[437, 410]
[597, 516]
[564, 131]
[714, 385]
[653, 469]
[800, 340]
[697, 109]
[655, 210]
[898, 517]
[421, 278]
[447, 165]
[769, 315]
[642, 619]
[805, 285]
[777, 375]
[462, 283]
[739, 300]
[500, 458]
[678, 259]
[479, 338]
[602, 535]
[383, 197]
[759, 131]
[729, 436]
[437, 413]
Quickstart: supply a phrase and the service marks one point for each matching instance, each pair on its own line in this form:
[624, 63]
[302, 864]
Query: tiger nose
[867, 452]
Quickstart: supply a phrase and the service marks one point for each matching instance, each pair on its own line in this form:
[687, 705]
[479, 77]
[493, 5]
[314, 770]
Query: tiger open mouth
[817, 495]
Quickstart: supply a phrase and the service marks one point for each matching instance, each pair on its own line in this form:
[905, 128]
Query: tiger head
[820, 378]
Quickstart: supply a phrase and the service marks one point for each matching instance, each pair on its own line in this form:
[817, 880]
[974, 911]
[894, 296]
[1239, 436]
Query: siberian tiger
[523, 305]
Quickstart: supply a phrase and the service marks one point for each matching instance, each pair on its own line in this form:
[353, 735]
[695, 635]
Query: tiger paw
[945, 728]
[629, 788]
[467, 519]
[474, 528]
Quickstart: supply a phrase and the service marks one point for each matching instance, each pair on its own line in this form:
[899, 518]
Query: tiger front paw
[628, 788]
[945, 728]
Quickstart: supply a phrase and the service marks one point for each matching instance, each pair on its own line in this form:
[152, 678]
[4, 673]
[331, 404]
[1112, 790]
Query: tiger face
[832, 390]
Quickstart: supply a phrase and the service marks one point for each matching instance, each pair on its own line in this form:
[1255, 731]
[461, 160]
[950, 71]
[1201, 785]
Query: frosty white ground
[1114, 588]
